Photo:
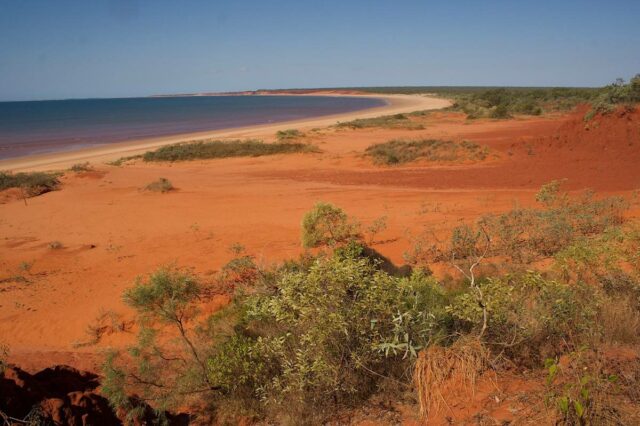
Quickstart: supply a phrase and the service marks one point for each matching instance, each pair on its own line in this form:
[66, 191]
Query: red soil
[111, 231]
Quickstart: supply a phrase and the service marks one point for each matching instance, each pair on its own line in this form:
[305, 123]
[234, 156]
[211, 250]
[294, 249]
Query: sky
[55, 49]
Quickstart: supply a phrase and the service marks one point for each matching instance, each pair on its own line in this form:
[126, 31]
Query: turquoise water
[37, 127]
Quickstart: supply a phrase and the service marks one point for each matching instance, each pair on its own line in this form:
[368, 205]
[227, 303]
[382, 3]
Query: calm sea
[38, 127]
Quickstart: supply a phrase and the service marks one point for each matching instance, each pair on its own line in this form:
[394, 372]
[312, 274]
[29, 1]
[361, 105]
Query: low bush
[503, 103]
[328, 335]
[613, 95]
[162, 185]
[396, 121]
[309, 337]
[327, 225]
[289, 134]
[81, 167]
[32, 183]
[224, 149]
[166, 365]
[399, 151]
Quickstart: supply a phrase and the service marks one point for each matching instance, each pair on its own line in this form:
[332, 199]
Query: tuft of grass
[55, 245]
[224, 149]
[399, 151]
[161, 185]
[396, 121]
[120, 161]
[33, 183]
[289, 134]
[439, 370]
[81, 167]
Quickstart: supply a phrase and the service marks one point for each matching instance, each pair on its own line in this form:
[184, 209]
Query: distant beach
[39, 127]
[321, 109]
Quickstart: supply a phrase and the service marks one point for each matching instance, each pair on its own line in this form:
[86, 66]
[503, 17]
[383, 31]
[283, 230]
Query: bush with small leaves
[327, 225]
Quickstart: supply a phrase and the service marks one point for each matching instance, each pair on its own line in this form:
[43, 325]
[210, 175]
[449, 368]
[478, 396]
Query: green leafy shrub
[587, 387]
[399, 151]
[223, 149]
[327, 224]
[613, 95]
[504, 102]
[33, 183]
[328, 334]
[526, 235]
[161, 185]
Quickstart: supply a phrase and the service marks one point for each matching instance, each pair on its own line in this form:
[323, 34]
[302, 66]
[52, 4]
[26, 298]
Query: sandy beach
[108, 152]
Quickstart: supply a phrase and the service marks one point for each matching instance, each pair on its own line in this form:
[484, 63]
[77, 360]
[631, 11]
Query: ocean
[38, 127]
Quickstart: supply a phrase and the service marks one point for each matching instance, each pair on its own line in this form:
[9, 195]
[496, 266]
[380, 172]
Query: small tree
[167, 366]
[328, 225]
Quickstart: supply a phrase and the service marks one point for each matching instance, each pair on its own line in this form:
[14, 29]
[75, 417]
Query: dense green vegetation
[33, 183]
[399, 151]
[396, 121]
[504, 102]
[223, 149]
[306, 338]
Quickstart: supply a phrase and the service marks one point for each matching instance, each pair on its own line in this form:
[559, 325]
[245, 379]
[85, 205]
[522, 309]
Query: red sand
[111, 231]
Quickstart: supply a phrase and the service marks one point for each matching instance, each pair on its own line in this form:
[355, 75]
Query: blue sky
[109, 48]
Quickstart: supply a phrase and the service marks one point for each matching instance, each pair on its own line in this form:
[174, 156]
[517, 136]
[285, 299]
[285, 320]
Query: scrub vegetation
[224, 149]
[399, 151]
[505, 102]
[396, 121]
[311, 336]
[33, 183]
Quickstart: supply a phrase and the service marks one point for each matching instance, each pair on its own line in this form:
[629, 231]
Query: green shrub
[529, 318]
[328, 225]
[288, 134]
[223, 149]
[81, 167]
[399, 151]
[396, 121]
[327, 335]
[167, 364]
[33, 183]
[161, 185]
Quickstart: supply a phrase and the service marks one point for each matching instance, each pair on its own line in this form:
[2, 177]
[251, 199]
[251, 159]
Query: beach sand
[112, 151]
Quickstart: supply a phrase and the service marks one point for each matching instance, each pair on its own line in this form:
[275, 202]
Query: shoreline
[112, 151]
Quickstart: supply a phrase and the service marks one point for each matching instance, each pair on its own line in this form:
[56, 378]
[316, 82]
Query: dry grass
[440, 370]
[161, 185]
[106, 323]
[620, 320]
